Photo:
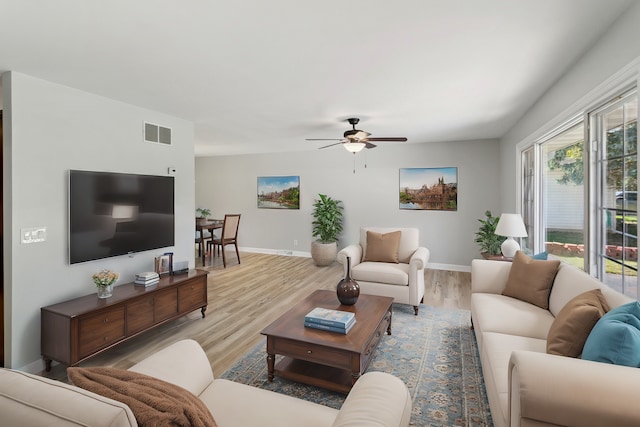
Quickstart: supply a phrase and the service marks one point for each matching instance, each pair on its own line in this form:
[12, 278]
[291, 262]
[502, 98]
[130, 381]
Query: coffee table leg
[390, 319]
[354, 377]
[271, 358]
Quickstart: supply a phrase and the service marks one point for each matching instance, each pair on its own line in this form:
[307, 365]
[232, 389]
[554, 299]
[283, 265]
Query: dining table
[206, 224]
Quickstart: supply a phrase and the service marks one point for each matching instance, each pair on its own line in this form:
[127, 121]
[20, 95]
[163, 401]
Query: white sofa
[404, 281]
[525, 385]
[377, 399]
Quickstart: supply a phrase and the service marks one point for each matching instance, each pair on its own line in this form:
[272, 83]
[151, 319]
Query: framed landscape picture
[429, 189]
[279, 192]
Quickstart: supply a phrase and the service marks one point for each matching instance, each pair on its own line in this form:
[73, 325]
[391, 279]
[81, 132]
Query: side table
[486, 255]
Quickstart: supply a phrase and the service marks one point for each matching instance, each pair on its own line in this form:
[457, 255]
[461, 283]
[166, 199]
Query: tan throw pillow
[531, 280]
[569, 331]
[153, 402]
[382, 247]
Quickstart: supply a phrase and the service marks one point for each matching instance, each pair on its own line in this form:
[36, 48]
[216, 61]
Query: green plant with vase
[486, 236]
[327, 226]
[203, 212]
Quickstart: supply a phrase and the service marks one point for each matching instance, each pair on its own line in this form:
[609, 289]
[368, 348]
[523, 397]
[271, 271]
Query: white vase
[105, 291]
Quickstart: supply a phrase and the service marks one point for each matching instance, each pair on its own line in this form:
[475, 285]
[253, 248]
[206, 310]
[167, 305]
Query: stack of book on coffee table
[330, 320]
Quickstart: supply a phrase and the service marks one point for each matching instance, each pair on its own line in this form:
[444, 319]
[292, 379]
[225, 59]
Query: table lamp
[510, 225]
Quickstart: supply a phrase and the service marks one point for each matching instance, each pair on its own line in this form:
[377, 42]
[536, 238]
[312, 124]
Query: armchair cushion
[382, 247]
[392, 274]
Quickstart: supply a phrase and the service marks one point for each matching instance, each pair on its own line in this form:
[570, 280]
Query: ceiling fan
[355, 140]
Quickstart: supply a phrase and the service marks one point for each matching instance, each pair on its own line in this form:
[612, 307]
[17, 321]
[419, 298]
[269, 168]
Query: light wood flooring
[246, 297]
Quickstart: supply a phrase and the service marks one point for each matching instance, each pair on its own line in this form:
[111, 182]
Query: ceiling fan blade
[369, 145]
[323, 139]
[331, 145]
[393, 139]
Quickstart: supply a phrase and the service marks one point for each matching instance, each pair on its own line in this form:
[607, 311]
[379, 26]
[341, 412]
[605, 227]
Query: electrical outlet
[295, 243]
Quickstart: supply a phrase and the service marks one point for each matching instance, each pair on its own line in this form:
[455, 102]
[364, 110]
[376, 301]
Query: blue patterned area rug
[434, 353]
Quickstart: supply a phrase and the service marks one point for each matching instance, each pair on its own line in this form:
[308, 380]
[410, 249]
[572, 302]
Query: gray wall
[613, 52]
[49, 129]
[227, 184]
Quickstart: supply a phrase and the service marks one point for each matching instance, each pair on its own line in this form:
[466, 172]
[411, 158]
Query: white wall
[615, 50]
[50, 129]
[228, 184]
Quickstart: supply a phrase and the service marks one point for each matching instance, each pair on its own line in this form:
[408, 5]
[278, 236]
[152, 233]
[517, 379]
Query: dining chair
[206, 236]
[229, 236]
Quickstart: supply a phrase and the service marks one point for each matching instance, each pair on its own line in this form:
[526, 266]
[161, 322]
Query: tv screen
[113, 214]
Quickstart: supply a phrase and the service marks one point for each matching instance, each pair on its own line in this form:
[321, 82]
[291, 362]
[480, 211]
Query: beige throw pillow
[531, 280]
[382, 247]
[569, 331]
[153, 402]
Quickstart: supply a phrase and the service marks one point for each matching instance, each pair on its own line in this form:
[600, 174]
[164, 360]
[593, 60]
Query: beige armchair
[404, 280]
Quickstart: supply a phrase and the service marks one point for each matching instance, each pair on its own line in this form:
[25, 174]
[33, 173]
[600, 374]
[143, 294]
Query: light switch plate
[33, 234]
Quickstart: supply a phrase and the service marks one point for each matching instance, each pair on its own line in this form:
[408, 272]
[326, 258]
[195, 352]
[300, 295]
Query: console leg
[202, 310]
[47, 364]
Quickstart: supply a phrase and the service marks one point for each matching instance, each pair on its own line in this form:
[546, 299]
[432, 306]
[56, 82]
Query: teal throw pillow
[541, 255]
[615, 338]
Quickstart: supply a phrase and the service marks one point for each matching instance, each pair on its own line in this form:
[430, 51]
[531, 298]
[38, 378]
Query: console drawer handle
[309, 352]
[106, 319]
[106, 338]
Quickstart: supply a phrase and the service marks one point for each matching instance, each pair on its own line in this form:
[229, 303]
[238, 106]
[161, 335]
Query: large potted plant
[327, 226]
[486, 236]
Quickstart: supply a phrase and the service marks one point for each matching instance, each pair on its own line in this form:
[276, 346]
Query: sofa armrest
[558, 390]
[183, 363]
[419, 258]
[353, 251]
[489, 276]
[376, 399]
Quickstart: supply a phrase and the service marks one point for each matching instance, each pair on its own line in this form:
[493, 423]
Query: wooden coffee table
[321, 358]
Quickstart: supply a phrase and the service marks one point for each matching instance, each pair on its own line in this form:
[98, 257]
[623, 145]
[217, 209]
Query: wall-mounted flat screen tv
[113, 214]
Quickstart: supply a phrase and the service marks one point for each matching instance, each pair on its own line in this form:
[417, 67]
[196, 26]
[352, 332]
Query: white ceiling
[261, 76]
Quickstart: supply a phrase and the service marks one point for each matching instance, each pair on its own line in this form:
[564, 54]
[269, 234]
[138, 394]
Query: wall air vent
[157, 134]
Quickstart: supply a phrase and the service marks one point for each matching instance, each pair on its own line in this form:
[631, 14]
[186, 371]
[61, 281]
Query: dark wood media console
[75, 330]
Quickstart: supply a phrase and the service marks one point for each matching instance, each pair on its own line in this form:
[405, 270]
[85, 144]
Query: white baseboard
[35, 367]
[286, 252]
[449, 267]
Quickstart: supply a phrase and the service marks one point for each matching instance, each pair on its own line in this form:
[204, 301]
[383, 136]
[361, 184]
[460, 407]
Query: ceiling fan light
[354, 147]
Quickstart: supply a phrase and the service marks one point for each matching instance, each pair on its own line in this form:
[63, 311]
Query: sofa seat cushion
[382, 272]
[506, 315]
[235, 404]
[153, 401]
[495, 357]
[575, 321]
[615, 338]
[31, 400]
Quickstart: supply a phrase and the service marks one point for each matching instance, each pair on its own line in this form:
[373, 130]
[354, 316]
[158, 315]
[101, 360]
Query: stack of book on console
[330, 320]
[147, 279]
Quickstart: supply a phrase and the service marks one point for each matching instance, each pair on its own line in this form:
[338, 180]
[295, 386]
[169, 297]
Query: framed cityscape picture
[429, 189]
[279, 192]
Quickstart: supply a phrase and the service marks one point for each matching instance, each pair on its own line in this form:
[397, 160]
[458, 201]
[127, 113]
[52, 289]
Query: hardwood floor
[244, 298]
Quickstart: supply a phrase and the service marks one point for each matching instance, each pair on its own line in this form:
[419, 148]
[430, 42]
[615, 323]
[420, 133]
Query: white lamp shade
[354, 147]
[511, 225]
